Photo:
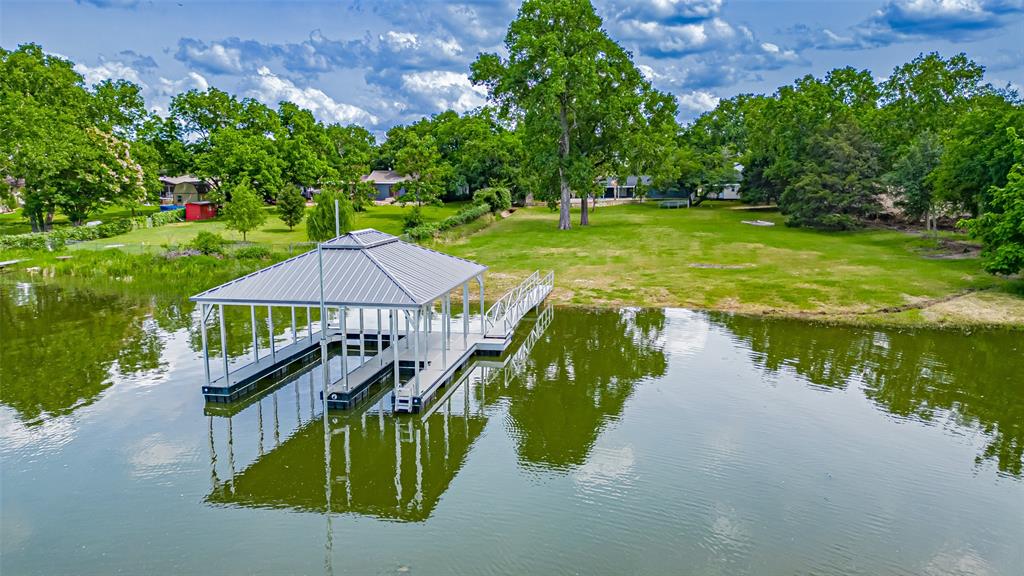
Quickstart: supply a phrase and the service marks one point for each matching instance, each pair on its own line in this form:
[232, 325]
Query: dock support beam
[255, 339]
[393, 324]
[224, 344]
[483, 311]
[465, 314]
[343, 320]
[206, 347]
[270, 327]
[295, 333]
[415, 352]
[362, 338]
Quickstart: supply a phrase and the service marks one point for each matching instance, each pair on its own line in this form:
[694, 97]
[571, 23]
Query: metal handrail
[512, 306]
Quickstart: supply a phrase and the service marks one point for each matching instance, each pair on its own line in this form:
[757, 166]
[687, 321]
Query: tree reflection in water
[578, 378]
[924, 375]
[61, 348]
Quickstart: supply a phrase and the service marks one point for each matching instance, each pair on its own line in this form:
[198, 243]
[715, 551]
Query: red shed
[202, 210]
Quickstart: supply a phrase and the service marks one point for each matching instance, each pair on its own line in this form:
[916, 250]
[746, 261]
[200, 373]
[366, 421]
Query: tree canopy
[585, 109]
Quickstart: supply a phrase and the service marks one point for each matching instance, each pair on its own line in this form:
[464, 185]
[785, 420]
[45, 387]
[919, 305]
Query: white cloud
[400, 40]
[697, 102]
[444, 89]
[165, 89]
[108, 71]
[214, 57]
[271, 89]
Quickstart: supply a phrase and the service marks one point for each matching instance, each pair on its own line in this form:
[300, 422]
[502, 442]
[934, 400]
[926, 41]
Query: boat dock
[384, 306]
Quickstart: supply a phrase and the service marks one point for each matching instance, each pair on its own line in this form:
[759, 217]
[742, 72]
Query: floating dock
[392, 280]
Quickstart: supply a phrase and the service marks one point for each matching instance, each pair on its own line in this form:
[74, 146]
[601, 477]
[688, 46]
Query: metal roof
[362, 268]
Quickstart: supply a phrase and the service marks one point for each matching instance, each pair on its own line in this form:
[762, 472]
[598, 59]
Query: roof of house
[362, 268]
[185, 179]
[385, 177]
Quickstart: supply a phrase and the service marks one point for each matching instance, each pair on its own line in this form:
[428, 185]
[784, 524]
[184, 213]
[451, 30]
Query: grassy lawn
[273, 233]
[15, 223]
[707, 258]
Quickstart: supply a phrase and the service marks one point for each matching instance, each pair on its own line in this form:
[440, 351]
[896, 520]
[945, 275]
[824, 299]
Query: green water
[606, 442]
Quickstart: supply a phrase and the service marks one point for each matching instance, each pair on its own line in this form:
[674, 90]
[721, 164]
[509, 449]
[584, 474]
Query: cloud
[666, 11]
[687, 46]
[138, 61]
[697, 102]
[110, 3]
[907, 20]
[442, 89]
[108, 70]
[271, 89]
[214, 58]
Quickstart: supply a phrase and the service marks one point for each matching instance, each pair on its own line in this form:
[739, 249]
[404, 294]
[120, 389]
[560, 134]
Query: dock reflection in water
[370, 462]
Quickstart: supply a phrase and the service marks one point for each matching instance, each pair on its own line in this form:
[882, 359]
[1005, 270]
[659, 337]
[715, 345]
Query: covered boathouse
[368, 291]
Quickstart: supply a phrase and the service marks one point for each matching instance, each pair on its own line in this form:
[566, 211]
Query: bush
[320, 220]
[208, 243]
[464, 216]
[58, 238]
[168, 217]
[497, 198]
[413, 219]
[255, 252]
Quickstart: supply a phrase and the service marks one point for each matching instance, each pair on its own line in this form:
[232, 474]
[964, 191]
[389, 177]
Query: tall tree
[353, 149]
[421, 160]
[839, 183]
[911, 175]
[291, 207]
[1001, 229]
[582, 102]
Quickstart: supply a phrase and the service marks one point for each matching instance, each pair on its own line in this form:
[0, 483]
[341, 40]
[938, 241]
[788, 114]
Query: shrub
[255, 252]
[320, 220]
[208, 243]
[168, 217]
[413, 219]
[464, 216]
[497, 198]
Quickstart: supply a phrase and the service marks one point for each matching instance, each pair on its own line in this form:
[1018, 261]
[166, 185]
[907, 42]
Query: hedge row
[56, 239]
[464, 216]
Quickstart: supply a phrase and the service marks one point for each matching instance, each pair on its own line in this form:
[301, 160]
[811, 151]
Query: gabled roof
[385, 177]
[362, 268]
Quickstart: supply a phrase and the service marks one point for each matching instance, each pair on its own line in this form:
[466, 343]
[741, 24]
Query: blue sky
[383, 62]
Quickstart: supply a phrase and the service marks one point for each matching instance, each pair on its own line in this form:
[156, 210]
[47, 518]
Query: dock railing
[503, 316]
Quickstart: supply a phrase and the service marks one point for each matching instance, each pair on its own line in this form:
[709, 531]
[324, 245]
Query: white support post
[407, 331]
[415, 352]
[295, 333]
[309, 322]
[344, 345]
[337, 220]
[444, 336]
[380, 334]
[362, 339]
[206, 347]
[325, 366]
[255, 340]
[393, 324]
[426, 332]
[465, 314]
[224, 344]
[483, 311]
[448, 320]
[270, 327]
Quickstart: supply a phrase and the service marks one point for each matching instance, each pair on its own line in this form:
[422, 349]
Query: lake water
[611, 442]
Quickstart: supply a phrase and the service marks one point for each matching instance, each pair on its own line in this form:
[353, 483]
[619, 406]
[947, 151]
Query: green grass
[706, 257]
[15, 223]
[273, 233]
